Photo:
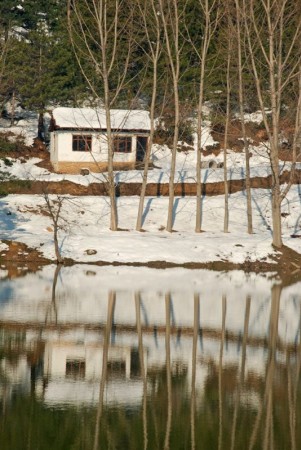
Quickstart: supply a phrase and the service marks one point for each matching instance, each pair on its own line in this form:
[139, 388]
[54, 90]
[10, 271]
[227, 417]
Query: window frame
[79, 139]
[120, 141]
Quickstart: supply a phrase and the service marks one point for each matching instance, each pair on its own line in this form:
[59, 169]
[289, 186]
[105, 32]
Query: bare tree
[240, 68]
[227, 122]
[273, 29]
[54, 209]
[210, 19]
[171, 17]
[152, 28]
[103, 44]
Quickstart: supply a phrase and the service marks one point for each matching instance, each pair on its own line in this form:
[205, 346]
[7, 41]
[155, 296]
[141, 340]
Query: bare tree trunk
[54, 210]
[155, 52]
[171, 19]
[242, 118]
[226, 187]
[111, 180]
[210, 25]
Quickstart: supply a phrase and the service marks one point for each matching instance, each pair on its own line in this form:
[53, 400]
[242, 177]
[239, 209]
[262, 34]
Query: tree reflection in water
[188, 396]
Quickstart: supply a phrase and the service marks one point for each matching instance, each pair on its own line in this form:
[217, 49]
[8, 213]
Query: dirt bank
[128, 189]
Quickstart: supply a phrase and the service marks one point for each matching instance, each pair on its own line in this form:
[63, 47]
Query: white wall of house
[61, 148]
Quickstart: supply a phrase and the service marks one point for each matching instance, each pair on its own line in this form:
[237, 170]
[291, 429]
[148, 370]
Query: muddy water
[137, 358]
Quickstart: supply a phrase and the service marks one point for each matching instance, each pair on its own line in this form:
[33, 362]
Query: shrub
[11, 143]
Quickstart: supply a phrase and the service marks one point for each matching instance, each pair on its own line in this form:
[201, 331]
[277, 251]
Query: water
[135, 358]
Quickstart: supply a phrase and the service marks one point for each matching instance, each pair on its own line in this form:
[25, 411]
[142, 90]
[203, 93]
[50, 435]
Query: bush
[5, 145]
[11, 143]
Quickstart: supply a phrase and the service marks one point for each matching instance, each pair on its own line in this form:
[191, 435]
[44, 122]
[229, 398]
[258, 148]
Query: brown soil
[20, 259]
[153, 189]
[256, 133]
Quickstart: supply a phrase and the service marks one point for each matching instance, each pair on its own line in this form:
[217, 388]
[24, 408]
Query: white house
[78, 138]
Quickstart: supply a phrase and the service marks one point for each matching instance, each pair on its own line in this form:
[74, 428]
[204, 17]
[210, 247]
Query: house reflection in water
[72, 374]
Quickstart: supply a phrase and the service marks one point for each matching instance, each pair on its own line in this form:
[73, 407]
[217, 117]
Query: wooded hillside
[172, 57]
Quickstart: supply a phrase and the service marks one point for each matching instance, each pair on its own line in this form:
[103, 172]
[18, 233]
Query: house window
[81, 143]
[75, 368]
[122, 144]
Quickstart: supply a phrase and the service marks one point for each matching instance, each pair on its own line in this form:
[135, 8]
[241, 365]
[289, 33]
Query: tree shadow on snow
[261, 214]
[9, 221]
[297, 226]
[146, 210]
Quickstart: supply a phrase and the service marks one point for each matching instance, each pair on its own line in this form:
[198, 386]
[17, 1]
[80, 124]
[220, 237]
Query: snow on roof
[121, 119]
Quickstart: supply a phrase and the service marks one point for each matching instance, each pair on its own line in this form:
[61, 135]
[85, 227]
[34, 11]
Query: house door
[141, 148]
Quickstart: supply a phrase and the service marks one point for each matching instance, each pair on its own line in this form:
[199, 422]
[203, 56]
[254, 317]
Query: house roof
[89, 118]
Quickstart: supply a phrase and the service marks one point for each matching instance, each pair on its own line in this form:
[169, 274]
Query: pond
[139, 358]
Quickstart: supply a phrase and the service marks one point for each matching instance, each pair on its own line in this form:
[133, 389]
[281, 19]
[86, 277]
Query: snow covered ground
[85, 226]
[161, 157]
[86, 219]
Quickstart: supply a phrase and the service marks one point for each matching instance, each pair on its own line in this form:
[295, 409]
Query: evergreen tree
[40, 65]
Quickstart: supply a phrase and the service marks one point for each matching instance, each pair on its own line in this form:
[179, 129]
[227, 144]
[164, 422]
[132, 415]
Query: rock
[91, 251]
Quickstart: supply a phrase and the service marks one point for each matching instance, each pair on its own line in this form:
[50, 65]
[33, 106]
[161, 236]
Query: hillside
[83, 221]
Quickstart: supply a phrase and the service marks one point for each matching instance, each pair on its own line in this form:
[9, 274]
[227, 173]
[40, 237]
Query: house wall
[64, 159]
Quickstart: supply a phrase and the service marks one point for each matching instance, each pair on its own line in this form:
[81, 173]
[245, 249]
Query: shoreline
[286, 263]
